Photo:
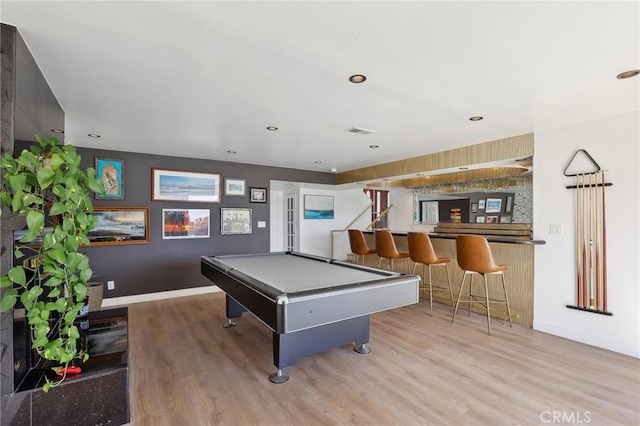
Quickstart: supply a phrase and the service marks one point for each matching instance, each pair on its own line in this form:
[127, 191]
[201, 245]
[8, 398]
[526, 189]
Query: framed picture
[235, 187]
[120, 225]
[492, 219]
[111, 173]
[479, 219]
[474, 207]
[505, 219]
[494, 205]
[509, 205]
[235, 221]
[185, 223]
[318, 206]
[176, 185]
[258, 195]
[480, 204]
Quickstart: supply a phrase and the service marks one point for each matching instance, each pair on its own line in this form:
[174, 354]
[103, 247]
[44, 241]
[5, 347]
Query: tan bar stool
[422, 252]
[386, 249]
[359, 246]
[475, 258]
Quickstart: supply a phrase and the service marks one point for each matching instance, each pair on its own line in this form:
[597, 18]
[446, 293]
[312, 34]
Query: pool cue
[585, 278]
[604, 250]
[598, 254]
[578, 246]
[592, 236]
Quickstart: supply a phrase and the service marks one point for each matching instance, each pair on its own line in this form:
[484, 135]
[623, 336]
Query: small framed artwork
[120, 225]
[480, 204]
[258, 195]
[505, 219]
[474, 207]
[509, 205]
[492, 219]
[175, 185]
[318, 206]
[111, 173]
[479, 219]
[235, 187]
[185, 223]
[494, 205]
[235, 221]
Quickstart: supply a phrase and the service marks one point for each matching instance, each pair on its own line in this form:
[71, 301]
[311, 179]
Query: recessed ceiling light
[358, 78]
[317, 162]
[476, 118]
[272, 128]
[374, 146]
[333, 170]
[627, 74]
[463, 168]
[57, 130]
[93, 135]
[230, 151]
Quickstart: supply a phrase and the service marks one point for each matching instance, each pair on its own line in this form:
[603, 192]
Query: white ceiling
[196, 79]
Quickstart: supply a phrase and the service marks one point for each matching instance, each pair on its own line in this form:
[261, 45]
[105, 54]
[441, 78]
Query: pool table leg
[362, 349]
[278, 377]
[234, 310]
[289, 347]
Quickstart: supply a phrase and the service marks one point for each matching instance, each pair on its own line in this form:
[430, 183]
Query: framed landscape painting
[318, 206]
[175, 185]
[185, 223]
[494, 205]
[120, 225]
[234, 186]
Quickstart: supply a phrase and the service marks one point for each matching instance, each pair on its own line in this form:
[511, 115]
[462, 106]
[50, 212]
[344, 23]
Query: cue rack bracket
[591, 235]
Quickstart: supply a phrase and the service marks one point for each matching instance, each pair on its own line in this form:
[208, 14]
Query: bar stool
[359, 246]
[386, 248]
[421, 252]
[475, 258]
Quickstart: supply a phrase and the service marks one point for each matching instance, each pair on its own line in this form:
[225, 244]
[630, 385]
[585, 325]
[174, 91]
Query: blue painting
[318, 206]
[111, 173]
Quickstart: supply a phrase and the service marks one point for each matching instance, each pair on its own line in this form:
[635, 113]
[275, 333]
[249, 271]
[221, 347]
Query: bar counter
[518, 254]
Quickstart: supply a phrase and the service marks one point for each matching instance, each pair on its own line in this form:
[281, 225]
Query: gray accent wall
[163, 265]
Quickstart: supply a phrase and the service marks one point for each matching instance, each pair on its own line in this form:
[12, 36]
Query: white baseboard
[148, 297]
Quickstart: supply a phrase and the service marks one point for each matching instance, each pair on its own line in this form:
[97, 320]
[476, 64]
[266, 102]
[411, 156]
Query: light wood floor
[185, 369]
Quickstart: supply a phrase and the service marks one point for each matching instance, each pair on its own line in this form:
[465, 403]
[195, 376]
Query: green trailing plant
[47, 187]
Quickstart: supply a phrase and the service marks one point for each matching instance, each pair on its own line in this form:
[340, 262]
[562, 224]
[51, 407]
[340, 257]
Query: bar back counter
[511, 244]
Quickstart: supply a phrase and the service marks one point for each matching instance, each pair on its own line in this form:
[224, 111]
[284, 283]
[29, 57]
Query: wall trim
[149, 297]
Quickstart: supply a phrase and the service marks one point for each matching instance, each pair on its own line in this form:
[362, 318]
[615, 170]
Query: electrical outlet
[555, 228]
[111, 285]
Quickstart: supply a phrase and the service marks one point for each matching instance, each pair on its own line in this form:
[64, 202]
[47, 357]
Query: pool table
[311, 303]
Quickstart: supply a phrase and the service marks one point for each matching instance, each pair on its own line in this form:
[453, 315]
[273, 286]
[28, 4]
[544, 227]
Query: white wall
[315, 234]
[614, 145]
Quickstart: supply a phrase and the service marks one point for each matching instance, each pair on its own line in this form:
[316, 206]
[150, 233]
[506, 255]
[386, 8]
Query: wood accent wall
[500, 149]
[519, 276]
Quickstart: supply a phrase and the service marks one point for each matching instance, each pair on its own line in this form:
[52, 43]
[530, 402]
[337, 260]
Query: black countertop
[99, 395]
[490, 238]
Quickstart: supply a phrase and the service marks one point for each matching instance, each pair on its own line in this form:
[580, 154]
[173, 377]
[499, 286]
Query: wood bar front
[517, 254]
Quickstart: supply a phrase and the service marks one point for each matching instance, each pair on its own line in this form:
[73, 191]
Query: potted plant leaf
[46, 186]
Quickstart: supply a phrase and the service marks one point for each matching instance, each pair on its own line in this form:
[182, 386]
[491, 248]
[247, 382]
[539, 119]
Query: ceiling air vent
[361, 131]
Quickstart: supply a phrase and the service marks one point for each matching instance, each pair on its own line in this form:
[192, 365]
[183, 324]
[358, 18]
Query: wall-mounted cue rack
[591, 237]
